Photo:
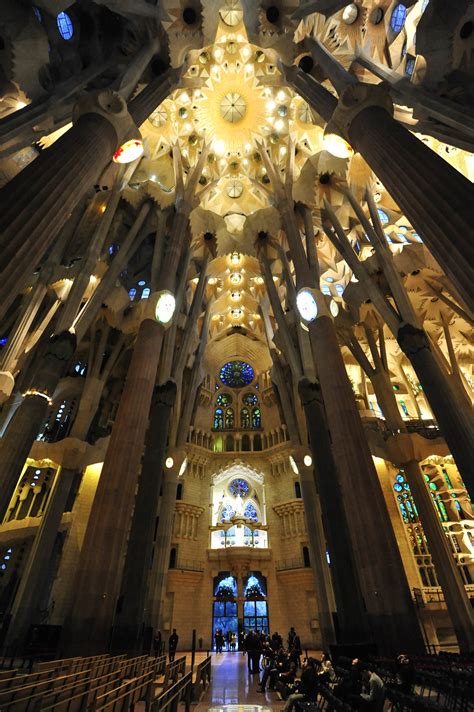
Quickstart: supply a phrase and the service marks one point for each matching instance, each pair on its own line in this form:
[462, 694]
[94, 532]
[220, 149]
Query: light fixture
[308, 460]
[212, 281]
[165, 307]
[235, 259]
[334, 143]
[169, 462]
[307, 305]
[129, 151]
[235, 278]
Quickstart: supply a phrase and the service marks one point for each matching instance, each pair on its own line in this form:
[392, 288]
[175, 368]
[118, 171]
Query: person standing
[172, 645]
[157, 644]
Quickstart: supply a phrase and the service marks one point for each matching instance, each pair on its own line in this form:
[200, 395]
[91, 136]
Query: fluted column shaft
[381, 574]
[37, 202]
[30, 415]
[128, 624]
[98, 576]
[352, 616]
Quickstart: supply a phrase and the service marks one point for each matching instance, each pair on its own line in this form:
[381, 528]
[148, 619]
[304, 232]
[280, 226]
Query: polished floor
[233, 689]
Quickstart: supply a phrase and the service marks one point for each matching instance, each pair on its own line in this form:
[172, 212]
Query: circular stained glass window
[239, 487]
[250, 512]
[65, 26]
[237, 374]
[224, 399]
[227, 513]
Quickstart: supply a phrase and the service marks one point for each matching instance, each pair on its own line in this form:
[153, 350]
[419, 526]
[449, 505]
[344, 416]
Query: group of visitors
[159, 645]
[263, 648]
[229, 639]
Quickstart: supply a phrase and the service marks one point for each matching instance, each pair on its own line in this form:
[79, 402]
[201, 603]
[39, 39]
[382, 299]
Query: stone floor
[233, 689]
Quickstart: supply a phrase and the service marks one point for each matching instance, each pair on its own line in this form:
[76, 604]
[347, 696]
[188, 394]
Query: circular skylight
[233, 107]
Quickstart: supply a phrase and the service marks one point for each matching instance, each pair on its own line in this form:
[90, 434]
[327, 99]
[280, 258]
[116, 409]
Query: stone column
[384, 586]
[30, 415]
[128, 624]
[457, 601]
[433, 195]
[351, 612]
[164, 534]
[317, 550]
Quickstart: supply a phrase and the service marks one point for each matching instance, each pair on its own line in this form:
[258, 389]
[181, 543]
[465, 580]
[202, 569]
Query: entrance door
[225, 619]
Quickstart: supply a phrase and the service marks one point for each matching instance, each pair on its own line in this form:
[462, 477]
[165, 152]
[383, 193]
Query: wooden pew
[124, 696]
[133, 667]
[82, 698]
[28, 697]
[169, 699]
[171, 674]
[201, 679]
[20, 679]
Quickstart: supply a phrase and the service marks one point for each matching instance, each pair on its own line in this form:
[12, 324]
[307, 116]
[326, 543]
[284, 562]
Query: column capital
[412, 340]
[164, 395]
[357, 97]
[111, 106]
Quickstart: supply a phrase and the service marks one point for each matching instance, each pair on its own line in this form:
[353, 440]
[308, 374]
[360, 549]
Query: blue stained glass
[3, 341]
[261, 608]
[65, 26]
[409, 66]
[326, 289]
[400, 478]
[416, 236]
[239, 487]
[218, 418]
[237, 374]
[340, 289]
[383, 216]
[219, 608]
[256, 418]
[37, 12]
[227, 513]
[132, 293]
[146, 293]
[250, 512]
[399, 15]
[397, 487]
[249, 608]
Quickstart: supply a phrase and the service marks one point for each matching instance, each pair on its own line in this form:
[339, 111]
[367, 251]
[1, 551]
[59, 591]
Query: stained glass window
[239, 487]
[65, 26]
[405, 501]
[382, 216]
[227, 513]
[229, 418]
[224, 399]
[245, 418]
[237, 374]
[250, 512]
[256, 418]
[218, 419]
[250, 399]
[398, 17]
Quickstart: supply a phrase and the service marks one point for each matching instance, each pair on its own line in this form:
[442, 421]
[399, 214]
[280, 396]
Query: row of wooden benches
[98, 683]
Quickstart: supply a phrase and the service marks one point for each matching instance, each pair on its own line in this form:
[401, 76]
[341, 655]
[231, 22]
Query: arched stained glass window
[237, 374]
[224, 399]
[250, 399]
[256, 418]
[405, 501]
[250, 512]
[245, 418]
[383, 216]
[239, 487]
[229, 418]
[146, 293]
[218, 419]
[65, 26]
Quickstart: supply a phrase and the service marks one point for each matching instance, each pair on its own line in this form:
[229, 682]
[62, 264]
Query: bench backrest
[169, 698]
[125, 695]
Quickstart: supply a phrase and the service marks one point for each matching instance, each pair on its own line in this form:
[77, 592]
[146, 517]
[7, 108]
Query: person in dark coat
[307, 688]
[173, 644]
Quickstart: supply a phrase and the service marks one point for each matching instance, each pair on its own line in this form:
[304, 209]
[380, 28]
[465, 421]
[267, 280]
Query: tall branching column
[102, 556]
[433, 195]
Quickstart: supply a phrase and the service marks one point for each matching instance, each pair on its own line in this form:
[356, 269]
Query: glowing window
[239, 487]
[245, 418]
[382, 216]
[227, 513]
[399, 15]
[237, 374]
[224, 399]
[37, 12]
[326, 289]
[250, 399]
[409, 66]
[65, 26]
[146, 293]
[340, 289]
[229, 418]
[132, 293]
[256, 418]
[250, 512]
[218, 419]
